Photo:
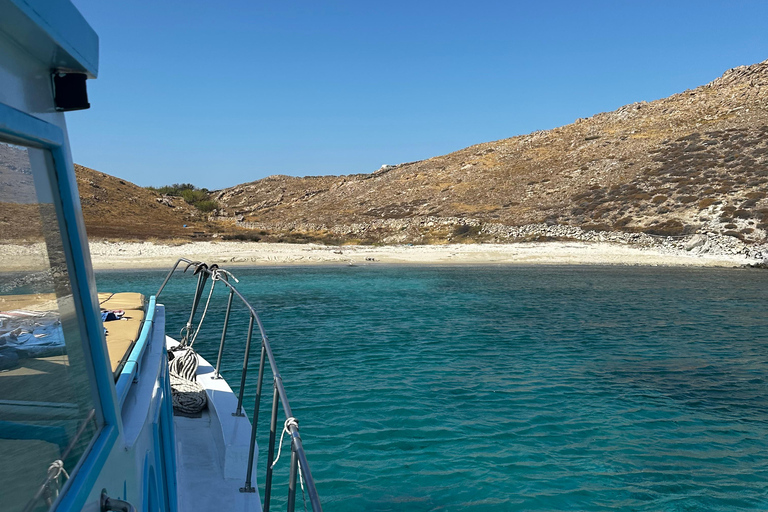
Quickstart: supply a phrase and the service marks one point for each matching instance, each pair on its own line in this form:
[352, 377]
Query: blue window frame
[24, 130]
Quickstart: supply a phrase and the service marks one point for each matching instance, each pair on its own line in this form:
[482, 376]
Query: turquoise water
[513, 388]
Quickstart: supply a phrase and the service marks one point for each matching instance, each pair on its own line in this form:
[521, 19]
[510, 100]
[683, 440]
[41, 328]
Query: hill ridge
[594, 173]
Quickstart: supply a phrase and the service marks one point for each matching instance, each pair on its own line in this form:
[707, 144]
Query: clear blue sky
[220, 93]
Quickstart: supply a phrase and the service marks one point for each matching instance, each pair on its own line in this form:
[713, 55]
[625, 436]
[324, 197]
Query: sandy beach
[126, 255]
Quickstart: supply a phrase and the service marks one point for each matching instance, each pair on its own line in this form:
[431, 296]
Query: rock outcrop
[695, 162]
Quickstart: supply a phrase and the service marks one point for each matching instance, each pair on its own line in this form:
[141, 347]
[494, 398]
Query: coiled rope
[187, 395]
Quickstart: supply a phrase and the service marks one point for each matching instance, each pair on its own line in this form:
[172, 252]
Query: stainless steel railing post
[254, 425]
[292, 480]
[216, 374]
[271, 451]
[170, 273]
[239, 411]
[258, 386]
[298, 455]
[201, 279]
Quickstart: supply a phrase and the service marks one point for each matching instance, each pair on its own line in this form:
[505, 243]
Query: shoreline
[107, 255]
[148, 255]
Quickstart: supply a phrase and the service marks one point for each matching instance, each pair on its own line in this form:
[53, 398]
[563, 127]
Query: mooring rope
[53, 486]
[290, 421]
[205, 310]
[188, 395]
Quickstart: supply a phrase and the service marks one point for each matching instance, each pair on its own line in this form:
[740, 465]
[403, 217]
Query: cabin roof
[54, 32]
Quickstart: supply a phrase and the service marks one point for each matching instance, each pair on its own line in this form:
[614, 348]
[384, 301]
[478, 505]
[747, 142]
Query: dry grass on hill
[118, 209]
[694, 162]
[680, 164]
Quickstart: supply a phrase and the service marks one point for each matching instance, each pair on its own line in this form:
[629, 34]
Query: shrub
[174, 190]
[707, 202]
[659, 199]
[244, 237]
[206, 205]
[596, 227]
[749, 203]
[193, 196]
[742, 214]
[465, 230]
[670, 227]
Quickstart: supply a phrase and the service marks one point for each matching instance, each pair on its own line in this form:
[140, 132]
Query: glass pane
[47, 400]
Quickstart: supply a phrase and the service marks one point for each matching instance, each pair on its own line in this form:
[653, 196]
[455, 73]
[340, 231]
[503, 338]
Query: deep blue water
[511, 388]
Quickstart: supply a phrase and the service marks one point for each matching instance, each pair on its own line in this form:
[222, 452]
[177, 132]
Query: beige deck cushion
[31, 301]
[121, 334]
[124, 301]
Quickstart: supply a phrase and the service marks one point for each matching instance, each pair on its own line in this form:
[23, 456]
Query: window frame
[17, 127]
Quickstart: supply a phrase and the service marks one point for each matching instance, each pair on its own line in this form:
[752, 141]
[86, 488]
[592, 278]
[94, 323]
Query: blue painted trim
[125, 381]
[132, 365]
[54, 32]
[83, 482]
[29, 130]
[24, 129]
[13, 430]
[169, 443]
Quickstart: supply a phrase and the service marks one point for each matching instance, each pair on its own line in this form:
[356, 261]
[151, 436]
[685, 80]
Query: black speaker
[69, 91]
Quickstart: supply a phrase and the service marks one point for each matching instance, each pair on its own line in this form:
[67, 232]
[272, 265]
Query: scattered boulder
[165, 200]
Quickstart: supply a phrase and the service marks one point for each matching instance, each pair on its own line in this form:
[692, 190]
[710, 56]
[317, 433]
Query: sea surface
[508, 387]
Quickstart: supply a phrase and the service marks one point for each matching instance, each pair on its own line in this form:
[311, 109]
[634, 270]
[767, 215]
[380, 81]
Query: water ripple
[517, 388]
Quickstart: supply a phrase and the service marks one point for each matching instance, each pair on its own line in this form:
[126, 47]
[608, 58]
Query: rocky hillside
[115, 208]
[696, 161]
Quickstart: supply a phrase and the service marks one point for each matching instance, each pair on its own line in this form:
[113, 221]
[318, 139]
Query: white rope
[187, 395]
[52, 486]
[184, 334]
[207, 303]
[221, 270]
[290, 421]
[57, 468]
[184, 364]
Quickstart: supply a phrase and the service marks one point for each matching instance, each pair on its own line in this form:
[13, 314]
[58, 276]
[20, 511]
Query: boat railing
[299, 461]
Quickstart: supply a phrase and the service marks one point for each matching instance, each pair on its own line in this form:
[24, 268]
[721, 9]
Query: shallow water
[511, 388]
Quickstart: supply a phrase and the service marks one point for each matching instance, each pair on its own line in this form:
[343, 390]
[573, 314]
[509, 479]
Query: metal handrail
[298, 456]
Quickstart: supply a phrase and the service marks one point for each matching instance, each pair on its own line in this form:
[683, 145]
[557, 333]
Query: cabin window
[48, 415]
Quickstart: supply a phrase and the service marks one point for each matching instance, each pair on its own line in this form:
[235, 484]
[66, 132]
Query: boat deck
[212, 451]
[201, 481]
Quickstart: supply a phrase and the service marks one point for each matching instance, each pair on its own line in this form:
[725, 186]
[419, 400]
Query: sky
[221, 93]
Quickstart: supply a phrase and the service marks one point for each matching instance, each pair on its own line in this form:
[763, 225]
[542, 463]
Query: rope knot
[290, 421]
[286, 428]
[57, 468]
